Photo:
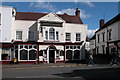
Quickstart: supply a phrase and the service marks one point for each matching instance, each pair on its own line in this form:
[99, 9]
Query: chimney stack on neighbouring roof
[102, 22]
[77, 12]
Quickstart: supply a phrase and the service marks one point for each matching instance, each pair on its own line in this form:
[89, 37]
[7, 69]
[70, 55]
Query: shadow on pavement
[93, 74]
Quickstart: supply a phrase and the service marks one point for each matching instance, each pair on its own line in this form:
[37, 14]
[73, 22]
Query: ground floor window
[5, 57]
[5, 54]
[76, 54]
[23, 55]
[69, 54]
[32, 54]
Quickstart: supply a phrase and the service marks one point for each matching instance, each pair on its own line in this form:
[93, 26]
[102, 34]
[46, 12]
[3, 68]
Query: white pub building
[47, 37]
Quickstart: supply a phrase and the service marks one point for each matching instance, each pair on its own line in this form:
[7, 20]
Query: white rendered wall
[114, 36]
[6, 23]
[24, 26]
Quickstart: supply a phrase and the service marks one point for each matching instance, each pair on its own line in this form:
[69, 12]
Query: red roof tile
[35, 16]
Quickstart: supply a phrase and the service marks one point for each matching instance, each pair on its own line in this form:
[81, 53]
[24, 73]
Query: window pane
[67, 47]
[32, 55]
[71, 47]
[23, 55]
[19, 35]
[69, 54]
[26, 46]
[74, 47]
[21, 46]
[77, 36]
[52, 34]
[57, 35]
[31, 36]
[30, 46]
[46, 35]
[35, 46]
[78, 47]
[76, 54]
[4, 56]
[68, 37]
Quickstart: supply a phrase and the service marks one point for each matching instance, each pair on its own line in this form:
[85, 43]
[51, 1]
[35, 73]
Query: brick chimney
[102, 22]
[77, 12]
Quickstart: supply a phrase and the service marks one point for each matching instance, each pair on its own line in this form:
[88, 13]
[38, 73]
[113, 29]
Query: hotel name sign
[57, 24]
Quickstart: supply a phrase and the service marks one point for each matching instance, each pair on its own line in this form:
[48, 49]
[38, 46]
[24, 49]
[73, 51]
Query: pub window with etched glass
[78, 37]
[31, 36]
[19, 35]
[68, 36]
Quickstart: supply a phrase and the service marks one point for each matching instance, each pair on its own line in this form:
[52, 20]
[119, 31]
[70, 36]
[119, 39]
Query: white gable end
[51, 17]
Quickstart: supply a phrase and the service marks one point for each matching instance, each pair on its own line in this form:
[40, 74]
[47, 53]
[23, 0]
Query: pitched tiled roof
[35, 16]
[113, 20]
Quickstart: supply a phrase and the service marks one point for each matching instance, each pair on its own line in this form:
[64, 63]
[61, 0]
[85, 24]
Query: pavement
[41, 65]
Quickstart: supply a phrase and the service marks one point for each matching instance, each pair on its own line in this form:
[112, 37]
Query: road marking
[38, 67]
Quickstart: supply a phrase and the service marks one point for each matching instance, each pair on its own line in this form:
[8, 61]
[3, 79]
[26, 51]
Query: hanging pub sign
[45, 23]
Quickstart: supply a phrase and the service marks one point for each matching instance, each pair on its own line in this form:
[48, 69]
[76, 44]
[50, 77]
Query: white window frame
[46, 35]
[57, 35]
[33, 36]
[67, 38]
[19, 35]
[52, 39]
[78, 37]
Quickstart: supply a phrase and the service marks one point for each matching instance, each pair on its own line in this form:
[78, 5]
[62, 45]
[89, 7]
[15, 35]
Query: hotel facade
[41, 37]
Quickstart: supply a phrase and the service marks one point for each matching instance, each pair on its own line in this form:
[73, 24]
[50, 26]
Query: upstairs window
[78, 37]
[68, 37]
[98, 37]
[18, 35]
[51, 34]
[109, 34]
[103, 36]
[57, 35]
[46, 35]
[31, 36]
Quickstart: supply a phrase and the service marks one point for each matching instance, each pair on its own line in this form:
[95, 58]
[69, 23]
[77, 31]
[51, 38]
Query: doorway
[51, 56]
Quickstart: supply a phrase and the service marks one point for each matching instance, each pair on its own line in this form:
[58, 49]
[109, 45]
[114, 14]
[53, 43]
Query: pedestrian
[90, 62]
[114, 56]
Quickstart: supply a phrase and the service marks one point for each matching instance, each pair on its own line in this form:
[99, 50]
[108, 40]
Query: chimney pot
[77, 13]
[102, 22]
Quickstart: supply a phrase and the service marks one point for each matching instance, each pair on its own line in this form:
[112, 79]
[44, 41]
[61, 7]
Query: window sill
[51, 41]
